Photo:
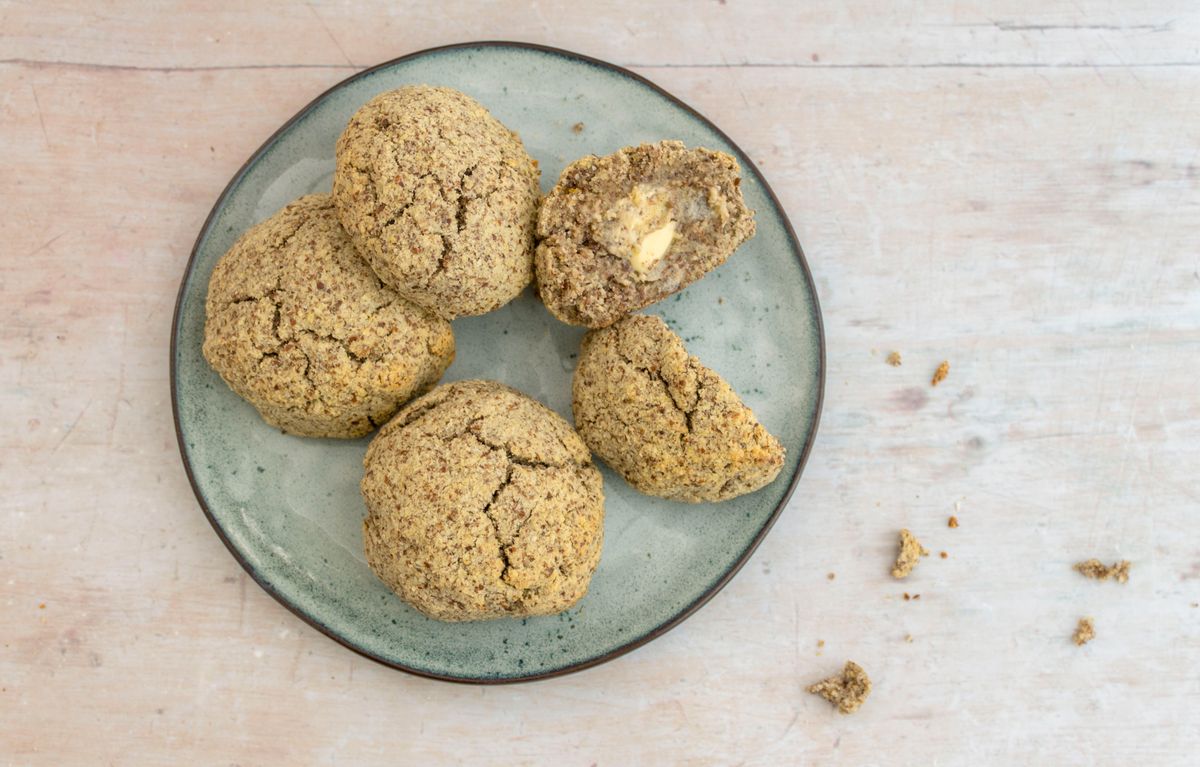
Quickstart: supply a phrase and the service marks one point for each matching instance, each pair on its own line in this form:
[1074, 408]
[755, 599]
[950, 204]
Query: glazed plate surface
[289, 508]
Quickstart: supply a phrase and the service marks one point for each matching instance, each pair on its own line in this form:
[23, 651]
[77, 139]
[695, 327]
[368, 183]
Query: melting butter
[651, 249]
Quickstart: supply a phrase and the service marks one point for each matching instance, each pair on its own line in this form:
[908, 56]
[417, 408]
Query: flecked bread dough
[299, 325]
[618, 233]
[482, 503]
[670, 426]
[440, 198]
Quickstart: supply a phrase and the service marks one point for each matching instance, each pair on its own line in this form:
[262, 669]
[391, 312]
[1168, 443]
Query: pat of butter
[647, 253]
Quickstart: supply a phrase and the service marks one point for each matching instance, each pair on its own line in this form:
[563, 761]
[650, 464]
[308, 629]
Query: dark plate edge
[683, 614]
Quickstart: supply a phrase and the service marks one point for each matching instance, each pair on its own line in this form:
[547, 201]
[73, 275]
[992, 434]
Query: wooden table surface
[1010, 186]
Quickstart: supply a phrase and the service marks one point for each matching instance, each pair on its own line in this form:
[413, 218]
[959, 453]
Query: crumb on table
[577, 128]
[1084, 632]
[846, 690]
[943, 554]
[911, 552]
[952, 522]
[940, 374]
[1096, 570]
[831, 576]
[893, 359]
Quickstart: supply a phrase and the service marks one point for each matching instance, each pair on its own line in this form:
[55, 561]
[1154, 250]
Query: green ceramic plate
[289, 508]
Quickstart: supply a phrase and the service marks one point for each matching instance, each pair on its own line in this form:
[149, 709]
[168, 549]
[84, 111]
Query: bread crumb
[952, 522]
[1095, 569]
[831, 576]
[847, 690]
[577, 128]
[911, 552]
[943, 554]
[720, 299]
[940, 374]
[907, 596]
[820, 643]
[42, 606]
[893, 359]
[1084, 632]
[908, 638]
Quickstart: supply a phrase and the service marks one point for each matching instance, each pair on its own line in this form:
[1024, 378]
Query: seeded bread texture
[299, 325]
[603, 227]
[670, 426]
[440, 198]
[482, 503]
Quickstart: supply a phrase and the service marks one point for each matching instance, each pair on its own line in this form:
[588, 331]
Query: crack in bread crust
[664, 422]
[482, 503]
[656, 374]
[440, 198]
[301, 327]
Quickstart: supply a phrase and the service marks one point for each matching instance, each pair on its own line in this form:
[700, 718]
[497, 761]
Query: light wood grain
[1013, 187]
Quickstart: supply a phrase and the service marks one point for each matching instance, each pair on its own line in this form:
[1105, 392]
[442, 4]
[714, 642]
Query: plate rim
[636, 642]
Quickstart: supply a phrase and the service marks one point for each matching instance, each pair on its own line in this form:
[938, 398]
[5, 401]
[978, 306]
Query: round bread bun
[440, 198]
[298, 325]
[482, 503]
